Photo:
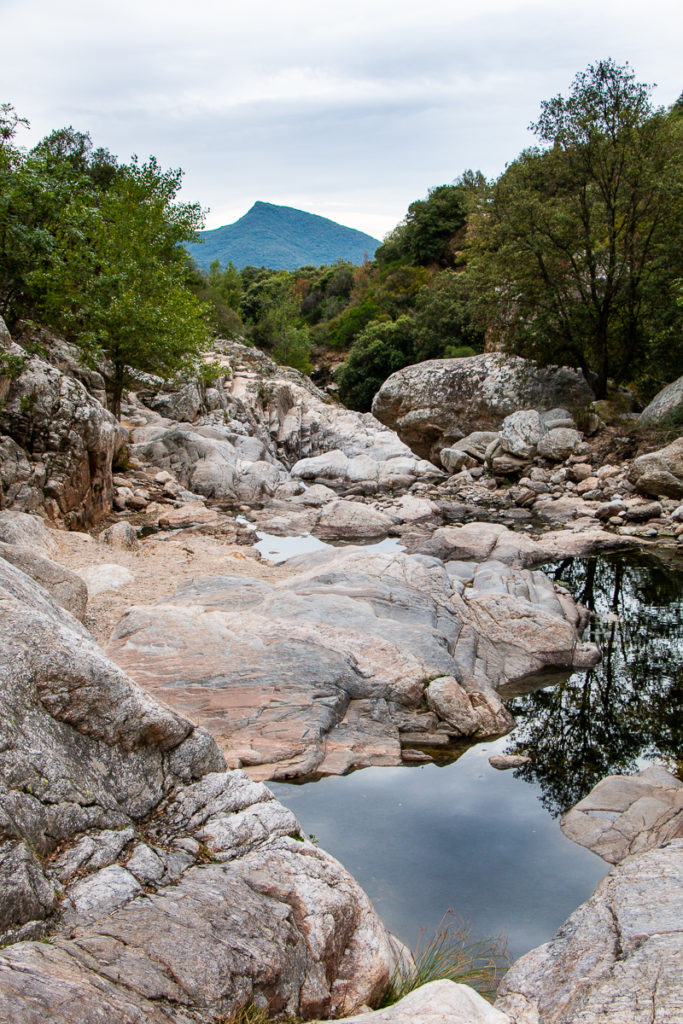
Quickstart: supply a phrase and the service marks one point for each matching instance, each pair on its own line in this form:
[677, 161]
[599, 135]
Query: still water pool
[485, 843]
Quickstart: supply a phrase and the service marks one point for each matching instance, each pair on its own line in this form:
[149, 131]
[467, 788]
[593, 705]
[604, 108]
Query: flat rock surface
[478, 541]
[315, 673]
[626, 814]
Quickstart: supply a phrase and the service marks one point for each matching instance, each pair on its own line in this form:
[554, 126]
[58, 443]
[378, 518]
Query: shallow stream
[487, 844]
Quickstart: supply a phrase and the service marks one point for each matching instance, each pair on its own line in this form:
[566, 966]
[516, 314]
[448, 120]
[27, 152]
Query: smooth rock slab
[185, 890]
[626, 814]
[66, 587]
[481, 541]
[316, 673]
[618, 959]
[106, 576]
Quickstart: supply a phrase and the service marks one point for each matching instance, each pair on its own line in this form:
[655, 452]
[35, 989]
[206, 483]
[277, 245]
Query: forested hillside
[281, 238]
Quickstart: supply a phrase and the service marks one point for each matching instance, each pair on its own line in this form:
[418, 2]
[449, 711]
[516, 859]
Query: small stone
[503, 762]
[137, 503]
[640, 513]
[610, 509]
[121, 535]
[580, 471]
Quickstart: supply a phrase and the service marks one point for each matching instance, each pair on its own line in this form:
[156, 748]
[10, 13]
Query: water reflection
[628, 708]
[423, 840]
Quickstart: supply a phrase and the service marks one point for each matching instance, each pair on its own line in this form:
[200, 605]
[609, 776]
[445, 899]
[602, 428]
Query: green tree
[379, 350]
[116, 279]
[572, 246]
[227, 283]
[293, 348]
[443, 318]
[433, 228]
[94, 249]
[26, 209]
[221, 291]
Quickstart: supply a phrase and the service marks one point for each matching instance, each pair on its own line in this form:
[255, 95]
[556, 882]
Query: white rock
[439, 1002]
[107, 576]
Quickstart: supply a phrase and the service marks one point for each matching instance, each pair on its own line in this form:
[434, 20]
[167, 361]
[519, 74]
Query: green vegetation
[252, 1014]
[451, 954]
[93, 249]
[282, 238]
[576, 248]
[571, 256]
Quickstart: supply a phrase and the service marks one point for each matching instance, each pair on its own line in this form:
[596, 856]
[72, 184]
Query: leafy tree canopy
[93, 248]
[573, 247]
[379, 350]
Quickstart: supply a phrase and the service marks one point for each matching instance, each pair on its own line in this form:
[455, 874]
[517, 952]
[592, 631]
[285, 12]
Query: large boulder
[433, 404]
[619, 957]
[438, 1002]
[140, 880]
[58, 439]
[332, 668]
[667, 405]
[659, 473]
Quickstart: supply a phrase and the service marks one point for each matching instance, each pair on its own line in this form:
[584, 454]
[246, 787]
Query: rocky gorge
[156, 671]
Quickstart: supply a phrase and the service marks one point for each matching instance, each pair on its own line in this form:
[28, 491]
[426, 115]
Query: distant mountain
[281, 238]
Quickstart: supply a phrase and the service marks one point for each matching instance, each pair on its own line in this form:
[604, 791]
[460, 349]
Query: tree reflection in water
[629, 706]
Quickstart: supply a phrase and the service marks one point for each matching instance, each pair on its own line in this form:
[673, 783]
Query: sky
[350, 110]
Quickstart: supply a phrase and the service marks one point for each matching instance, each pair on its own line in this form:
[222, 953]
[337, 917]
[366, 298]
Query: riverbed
[487, 844]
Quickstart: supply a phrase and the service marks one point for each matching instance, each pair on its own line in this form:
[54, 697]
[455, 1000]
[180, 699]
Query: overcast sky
[351, 110]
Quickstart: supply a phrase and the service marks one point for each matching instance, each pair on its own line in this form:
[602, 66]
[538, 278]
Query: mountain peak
[281, 238]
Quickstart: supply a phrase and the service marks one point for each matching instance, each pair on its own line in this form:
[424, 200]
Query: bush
[451, 955]
[458, 351]
[380, 350]
[294, 349]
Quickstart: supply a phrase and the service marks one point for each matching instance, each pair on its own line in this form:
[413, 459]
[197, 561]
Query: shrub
[451, 954]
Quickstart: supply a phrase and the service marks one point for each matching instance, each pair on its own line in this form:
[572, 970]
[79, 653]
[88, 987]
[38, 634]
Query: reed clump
[453, 955]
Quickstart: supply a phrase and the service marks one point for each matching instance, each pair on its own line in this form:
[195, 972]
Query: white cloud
[360, 107]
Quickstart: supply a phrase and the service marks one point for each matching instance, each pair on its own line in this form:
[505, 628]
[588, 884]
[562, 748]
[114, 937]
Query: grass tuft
[251, 1014]
[451, 954]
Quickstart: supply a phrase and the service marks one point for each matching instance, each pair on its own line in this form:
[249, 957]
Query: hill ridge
[281, 238]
